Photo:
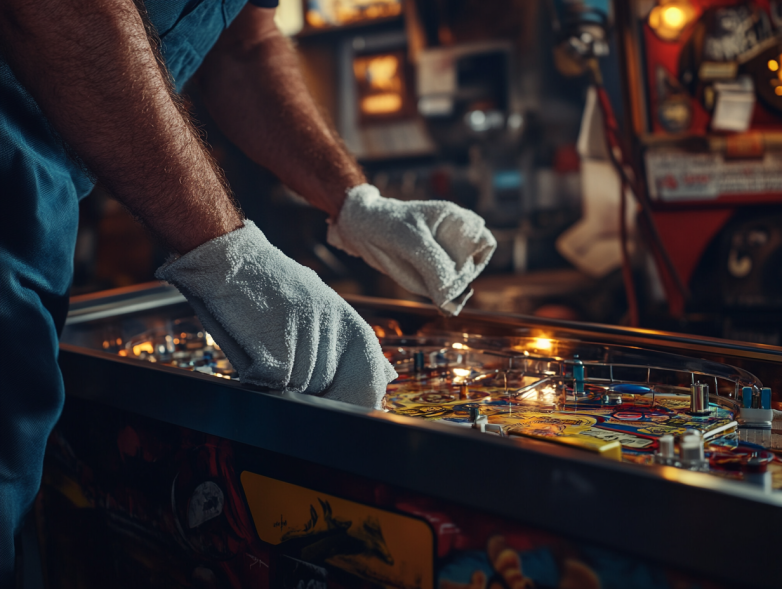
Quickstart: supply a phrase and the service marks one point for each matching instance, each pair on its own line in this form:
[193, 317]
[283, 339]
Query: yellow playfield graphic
[380, 546]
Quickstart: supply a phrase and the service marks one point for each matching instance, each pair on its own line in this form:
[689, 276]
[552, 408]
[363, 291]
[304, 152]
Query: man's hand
[254, 91]
[431, 248]
[278, 323]
[91, 69]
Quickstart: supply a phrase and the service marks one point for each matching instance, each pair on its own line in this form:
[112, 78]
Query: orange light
[773, 65]
[381, 104]
[670, 18]
[143, 347]
[314, 19]
[673, 17]
[381, 73]
[543, 343]
[778, 90]
[342, 12]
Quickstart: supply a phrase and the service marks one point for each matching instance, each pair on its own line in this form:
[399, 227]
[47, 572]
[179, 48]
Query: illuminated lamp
[381, 104]
[543, 343]
[670, 18]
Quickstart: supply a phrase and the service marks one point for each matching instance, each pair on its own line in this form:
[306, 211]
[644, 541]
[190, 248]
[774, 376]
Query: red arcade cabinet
[703, 83]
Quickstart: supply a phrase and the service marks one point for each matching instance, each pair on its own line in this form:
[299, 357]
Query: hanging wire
[585, 30]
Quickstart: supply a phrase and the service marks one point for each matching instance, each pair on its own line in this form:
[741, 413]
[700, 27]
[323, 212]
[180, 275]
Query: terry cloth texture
[431, 248]
[278, 323]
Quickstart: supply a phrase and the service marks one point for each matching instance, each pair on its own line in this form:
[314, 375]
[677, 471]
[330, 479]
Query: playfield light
[543, 343]
[775, 67]
[670, 18]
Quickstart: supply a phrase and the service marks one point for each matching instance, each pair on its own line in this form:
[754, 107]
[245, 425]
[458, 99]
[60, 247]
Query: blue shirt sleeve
[265, 3]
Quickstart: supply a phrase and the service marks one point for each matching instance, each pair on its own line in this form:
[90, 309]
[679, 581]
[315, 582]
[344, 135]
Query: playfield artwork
[622, 403]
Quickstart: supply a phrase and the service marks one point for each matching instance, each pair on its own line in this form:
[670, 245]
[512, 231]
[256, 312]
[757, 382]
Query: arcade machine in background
[703, 81]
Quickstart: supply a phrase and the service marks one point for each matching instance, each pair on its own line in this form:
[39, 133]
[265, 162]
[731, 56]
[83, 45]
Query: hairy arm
[253, 89]
[93, 72]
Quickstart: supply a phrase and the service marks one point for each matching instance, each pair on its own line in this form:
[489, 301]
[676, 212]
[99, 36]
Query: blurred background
[626, 155]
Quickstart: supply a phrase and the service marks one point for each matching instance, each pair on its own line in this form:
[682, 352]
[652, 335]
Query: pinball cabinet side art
[165, 472]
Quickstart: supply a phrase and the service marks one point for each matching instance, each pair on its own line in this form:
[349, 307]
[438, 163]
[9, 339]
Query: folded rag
[431, 248]
[277, 322]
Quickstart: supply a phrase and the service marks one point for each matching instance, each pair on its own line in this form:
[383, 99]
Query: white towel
[277, 322]
[431, 248]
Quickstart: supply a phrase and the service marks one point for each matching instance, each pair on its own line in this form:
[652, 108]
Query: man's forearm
[93, 72]
[253, 89]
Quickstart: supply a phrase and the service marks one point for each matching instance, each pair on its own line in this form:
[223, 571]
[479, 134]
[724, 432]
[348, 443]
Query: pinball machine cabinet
[158, 476]
[703, 89]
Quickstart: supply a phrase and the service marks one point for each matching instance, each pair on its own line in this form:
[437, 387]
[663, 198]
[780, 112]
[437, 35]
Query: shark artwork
[338, 536]
[323, 538]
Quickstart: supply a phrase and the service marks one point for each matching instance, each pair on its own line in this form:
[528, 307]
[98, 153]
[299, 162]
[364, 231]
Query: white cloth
[431, 248]
[593, 244]
[277, 322]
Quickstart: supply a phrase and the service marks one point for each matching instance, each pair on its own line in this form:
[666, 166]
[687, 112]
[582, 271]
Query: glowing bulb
[461, 372]
[778, 90]
[773, 65]
[477, 118]
[143, 347]
[458, 346]
[673, 17]
[543, 343]
[385, 103]
[670, 19]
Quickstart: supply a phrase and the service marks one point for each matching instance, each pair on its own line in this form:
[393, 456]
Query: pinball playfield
[620, 403]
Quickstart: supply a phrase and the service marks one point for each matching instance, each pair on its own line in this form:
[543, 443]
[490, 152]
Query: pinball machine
[511, 452]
